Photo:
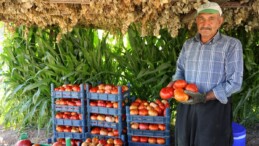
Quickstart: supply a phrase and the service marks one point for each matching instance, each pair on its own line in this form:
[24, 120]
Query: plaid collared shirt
[216, 65]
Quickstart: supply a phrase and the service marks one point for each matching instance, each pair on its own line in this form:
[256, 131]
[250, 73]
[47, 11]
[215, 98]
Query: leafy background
[32, 60]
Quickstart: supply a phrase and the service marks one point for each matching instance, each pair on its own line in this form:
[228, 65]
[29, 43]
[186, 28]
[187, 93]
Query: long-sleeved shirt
[216, 65]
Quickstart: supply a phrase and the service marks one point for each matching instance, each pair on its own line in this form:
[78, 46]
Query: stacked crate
[107, 113]
[69, 112]
[143, 130]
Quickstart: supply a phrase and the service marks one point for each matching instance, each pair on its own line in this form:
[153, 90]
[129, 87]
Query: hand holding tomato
[187, 93]
[196, 97]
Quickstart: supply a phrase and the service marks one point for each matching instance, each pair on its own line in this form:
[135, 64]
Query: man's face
[208, 24]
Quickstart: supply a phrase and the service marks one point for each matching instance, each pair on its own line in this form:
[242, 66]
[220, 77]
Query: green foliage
[31, 62]
[246, 101]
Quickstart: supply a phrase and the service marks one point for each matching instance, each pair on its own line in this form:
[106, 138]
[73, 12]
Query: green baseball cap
[210, 7]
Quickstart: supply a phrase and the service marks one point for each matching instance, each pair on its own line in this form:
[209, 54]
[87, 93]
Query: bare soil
[9, 137]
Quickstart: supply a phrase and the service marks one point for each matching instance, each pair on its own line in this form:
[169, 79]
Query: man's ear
[221, 20]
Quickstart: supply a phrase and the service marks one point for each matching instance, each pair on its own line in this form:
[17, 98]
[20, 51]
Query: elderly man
[214, 62]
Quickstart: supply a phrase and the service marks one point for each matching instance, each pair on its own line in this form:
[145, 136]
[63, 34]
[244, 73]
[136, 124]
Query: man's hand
[195, 97]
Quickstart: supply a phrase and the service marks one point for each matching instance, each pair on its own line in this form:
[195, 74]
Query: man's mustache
[205, 28]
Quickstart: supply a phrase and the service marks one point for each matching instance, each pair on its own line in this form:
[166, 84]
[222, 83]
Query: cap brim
[210, 11]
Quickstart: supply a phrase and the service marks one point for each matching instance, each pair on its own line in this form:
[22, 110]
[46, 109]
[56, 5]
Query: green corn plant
[149, 62]
[34, 62]
[26, 89]
[246, 101]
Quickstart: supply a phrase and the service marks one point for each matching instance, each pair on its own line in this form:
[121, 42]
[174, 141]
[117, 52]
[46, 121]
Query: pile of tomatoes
[62, 142]
[68, 87]
[102, 142]
[68, 102]
[150, 140]
[106, 118]
[73, 129]
[106, 131]
[145, 108]
[108, 89]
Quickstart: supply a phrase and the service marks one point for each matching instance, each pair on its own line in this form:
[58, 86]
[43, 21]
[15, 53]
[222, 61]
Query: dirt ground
[9, 137]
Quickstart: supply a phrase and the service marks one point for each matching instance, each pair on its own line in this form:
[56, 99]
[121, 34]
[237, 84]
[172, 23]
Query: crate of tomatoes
[148, 123]
[106, 109]
[69, 111]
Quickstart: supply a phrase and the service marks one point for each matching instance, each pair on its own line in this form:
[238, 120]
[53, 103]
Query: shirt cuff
[220, 94]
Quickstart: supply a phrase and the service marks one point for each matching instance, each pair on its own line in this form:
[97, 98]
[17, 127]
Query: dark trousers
[208, 124]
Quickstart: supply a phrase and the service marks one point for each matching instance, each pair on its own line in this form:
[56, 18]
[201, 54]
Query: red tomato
[166, 93]
[25, 142]
[179, 84]
[57, 144]
[161, 127]
[143, 139]
[192, 87]
[152, 140]
[118, 141]
[78, 103]
[101, 103]
[153, 127]
[160, 141]
[143, 112]
[108, 87]
[74, 117]
[59, 115]
[102, 141]
[143, 126]
[68, 88]
[135, 138]
[62, 88]
[114, 91]
[116, 132]
[76, 88]
[180, 95]
[94, 89]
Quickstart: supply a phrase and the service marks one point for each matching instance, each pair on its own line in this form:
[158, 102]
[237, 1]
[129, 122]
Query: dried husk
[118, 15]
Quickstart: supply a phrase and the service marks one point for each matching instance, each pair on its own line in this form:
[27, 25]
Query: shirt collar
[214, 39]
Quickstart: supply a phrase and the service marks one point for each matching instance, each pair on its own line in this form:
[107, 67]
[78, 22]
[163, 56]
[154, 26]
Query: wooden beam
[70, 1]
[234, 5]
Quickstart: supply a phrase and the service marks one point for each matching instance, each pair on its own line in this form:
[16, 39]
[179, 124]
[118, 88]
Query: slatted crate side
[108, 97]
[132, 143]
[105, 110]
[148, 133]
[78, 109]
[105, 124]
[68, 122]
[79, 136]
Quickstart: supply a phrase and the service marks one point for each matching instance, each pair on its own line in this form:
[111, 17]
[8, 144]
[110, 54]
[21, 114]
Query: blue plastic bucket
[239, 134]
